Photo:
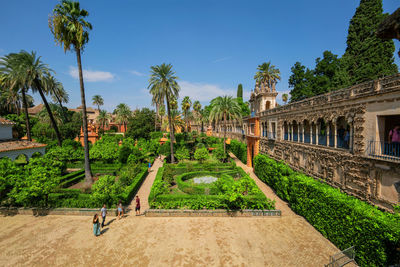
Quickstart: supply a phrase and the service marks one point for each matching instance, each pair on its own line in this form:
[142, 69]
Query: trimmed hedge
[343, 219]
[131, 190]
[72, 178]
[239, 149]
[71, 175]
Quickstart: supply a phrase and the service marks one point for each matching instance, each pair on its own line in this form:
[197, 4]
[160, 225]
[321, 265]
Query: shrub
[106, 190]
[124, 153]
[201, 154]
[182, 153]
[343, 219]
[239, 149]
[219, 153]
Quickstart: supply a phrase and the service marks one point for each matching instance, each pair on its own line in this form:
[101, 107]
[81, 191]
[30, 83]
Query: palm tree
[57, 92]
[103, 118]
[163, 79]
[98, 101]
[123, 113]
[176, 121]
[70, 29]
[11, 78]
[224, 108]
[267, 74]
[31, 73]
[197, 109]
[186, 104]
[285, 98]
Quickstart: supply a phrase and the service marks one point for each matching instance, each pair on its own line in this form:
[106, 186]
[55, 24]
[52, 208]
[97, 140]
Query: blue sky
[213, 45]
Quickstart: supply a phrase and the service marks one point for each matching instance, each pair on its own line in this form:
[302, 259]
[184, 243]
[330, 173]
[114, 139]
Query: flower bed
[233, 190]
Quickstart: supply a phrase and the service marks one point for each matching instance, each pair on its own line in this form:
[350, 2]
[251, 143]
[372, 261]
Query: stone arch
[36, 155]
[322, 131]
[21, 158]
[295, 131]
[285, 131]
[307, 131]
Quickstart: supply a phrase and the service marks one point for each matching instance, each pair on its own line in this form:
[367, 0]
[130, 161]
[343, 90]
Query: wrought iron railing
[384, 150]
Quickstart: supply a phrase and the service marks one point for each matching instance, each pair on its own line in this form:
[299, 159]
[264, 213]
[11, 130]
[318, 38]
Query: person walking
[103, 214]
[149, 166]
[96, 225]
[137, 209]
[120, 210]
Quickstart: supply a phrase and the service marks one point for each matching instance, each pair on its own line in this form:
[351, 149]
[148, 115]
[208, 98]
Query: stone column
[298, 132]
[334, 134]
[302, 133]
[351, 137]
[290, 135]
[328, 132]
[316, 133]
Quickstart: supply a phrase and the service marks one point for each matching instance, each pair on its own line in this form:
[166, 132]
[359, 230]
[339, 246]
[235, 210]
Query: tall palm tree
[224, 108]
[163, 79]
[285, 98]
[157, 101]
[98, 101]
[32, 73]
[176, 121]
[197, 109]
[57, 92]
[267, 74]
[186, 104]
[123, 113]
[70, 30]
[103, 118]
[12, 78]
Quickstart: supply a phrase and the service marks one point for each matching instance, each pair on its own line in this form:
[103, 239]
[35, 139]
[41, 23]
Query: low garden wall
[10, 211]
[211, 213]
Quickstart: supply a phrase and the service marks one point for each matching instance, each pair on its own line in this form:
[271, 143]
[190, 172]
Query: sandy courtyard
[140, 241]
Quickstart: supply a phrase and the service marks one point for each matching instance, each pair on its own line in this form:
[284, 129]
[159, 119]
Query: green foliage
[368, 57]
[71, 178]
[244, 107]
[219, 153]
[201, 154]
[344, 220]
[141, 124]
[136, 155]
[239, 149]
[182, 153]
[239, 93]
[105, 149]
[124, 153]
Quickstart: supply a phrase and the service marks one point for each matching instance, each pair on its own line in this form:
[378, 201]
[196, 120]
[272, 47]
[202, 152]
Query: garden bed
[234, 189]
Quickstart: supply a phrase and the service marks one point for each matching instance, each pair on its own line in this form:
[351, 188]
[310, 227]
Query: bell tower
[263, 97]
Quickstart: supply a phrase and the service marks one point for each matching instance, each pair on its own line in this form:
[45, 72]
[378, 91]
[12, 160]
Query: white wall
[28, 152]
[5, 131]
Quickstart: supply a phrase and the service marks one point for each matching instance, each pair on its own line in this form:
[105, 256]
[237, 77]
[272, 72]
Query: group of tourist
[96, 220]
[394, 141]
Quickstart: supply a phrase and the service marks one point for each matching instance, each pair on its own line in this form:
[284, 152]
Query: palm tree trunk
[171, 131]
[28, 126]
[224, 134]
[53, 122]
[88, 173]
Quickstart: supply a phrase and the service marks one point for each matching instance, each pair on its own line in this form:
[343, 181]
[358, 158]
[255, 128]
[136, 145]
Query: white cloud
[221, 59]
[91, 75]
[203, 91]
[137, 73]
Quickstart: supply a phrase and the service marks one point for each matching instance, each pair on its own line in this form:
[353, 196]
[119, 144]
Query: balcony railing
[384, 150]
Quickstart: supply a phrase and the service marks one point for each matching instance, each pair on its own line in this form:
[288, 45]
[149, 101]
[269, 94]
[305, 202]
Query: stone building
[341, 137]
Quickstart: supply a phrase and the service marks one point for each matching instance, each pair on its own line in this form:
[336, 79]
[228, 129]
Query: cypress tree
[240, 91]
[367, 57]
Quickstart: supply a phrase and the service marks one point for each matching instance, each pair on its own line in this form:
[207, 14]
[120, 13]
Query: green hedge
[71, 175]
[344, 220]
[131, 190]
[196, 189]
[239, 149]
[73, 180]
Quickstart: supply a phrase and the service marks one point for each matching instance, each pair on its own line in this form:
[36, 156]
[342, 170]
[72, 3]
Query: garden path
[144, 190]
[268, 192]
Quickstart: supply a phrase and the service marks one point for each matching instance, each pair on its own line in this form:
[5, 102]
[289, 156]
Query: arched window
[322, 133]
[267, 105]
[285, 131]
[295, 129]
[307, 132]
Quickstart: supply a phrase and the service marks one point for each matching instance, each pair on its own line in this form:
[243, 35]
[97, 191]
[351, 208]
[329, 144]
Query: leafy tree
[70, 29]
[106, 190]
[219, 153]
[325, 71]
[301, 81]
[141, 124]
[163, 82]
[103, 118]
[285, 98]
[201, 154]
[367, 57]
[244, 107]
[225, 108]
[182, 153]
[105, 149]
[98, 101]
[240, 91]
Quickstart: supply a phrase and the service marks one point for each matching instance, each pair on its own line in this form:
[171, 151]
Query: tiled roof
[4, 121]
[18, 145]
[36, 109]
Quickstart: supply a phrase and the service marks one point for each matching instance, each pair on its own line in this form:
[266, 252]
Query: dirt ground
[148, 241]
